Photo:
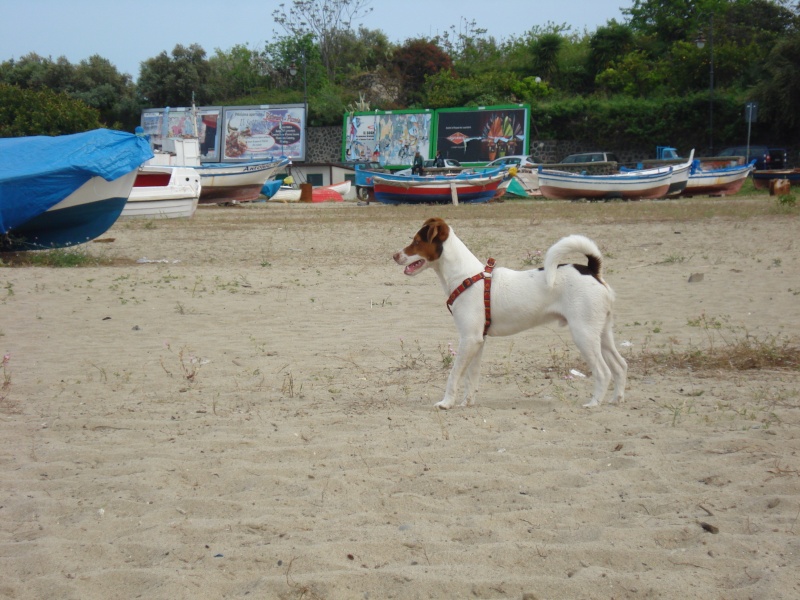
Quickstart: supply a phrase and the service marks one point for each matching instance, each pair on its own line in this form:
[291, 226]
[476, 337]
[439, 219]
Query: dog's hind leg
[588, 340]
[468, 349]
[617, 364]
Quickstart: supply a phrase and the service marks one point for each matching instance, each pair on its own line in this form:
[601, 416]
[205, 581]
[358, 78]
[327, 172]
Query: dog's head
[425, 248]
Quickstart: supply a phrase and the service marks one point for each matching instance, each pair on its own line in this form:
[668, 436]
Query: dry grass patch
[724, 348]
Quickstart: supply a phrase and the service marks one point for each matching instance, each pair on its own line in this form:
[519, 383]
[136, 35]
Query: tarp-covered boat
[65, 190]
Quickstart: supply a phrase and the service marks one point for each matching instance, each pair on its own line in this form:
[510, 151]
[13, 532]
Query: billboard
[233, 133]
[160, 123]
[479, 135]
[388, 137]
[264, 132]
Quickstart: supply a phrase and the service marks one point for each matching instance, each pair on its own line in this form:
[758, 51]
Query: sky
[128, 32]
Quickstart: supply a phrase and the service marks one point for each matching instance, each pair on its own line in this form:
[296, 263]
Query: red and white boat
[162, 192]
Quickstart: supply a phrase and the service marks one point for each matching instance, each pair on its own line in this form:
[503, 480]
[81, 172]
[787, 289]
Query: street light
[701, 42]
[293, 72]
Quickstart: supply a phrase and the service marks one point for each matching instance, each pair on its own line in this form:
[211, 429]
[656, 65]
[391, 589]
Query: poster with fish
[480, 135]
[263, 132]
[388, 137]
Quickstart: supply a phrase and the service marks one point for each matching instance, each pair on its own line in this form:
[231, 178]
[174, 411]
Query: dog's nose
[398, 257]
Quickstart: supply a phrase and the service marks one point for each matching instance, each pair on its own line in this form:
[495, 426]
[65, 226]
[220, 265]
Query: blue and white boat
[632, 185]
[65, 190]
[222, 183]
[724, 181]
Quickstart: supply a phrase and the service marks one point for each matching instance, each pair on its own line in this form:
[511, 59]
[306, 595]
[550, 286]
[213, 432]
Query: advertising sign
[233, 133]
[472, 135]
[263, 132]
[161, 123]
[388, 137]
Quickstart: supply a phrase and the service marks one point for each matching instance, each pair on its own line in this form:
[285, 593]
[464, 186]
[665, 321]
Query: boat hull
[719, 182]
[163, 193]
[561, 185]
[226, 183]
[391, 194]
[400, 189]
[85, 214]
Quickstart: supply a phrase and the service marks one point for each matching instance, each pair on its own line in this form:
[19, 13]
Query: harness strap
[486, 275]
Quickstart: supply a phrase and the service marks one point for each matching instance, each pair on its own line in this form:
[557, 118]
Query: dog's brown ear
[435, 229]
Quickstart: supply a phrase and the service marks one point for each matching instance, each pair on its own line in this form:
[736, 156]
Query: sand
[249, 413]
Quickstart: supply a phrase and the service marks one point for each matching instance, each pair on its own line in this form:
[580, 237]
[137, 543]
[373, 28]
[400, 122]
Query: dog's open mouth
[414, 267]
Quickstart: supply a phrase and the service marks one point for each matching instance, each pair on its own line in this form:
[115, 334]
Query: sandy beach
[241, 405]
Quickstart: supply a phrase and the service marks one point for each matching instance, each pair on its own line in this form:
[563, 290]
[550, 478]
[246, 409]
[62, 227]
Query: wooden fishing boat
[437, 189]
[633, 185]
[680, 174]
[717, 182]
[221, 183]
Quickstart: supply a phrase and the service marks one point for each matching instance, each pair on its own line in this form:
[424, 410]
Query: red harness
[487, 286]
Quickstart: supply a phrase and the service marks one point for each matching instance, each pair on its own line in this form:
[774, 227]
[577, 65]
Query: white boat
[717, 182]
[680, 174]
[162, 192]
[221, 183]
[627, 186]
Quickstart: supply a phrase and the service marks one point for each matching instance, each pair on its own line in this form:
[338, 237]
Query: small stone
[695, 277]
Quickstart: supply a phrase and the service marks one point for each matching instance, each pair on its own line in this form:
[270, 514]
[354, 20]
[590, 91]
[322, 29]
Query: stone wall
[324, 144]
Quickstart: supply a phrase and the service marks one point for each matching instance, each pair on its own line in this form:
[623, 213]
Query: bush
[43, 112]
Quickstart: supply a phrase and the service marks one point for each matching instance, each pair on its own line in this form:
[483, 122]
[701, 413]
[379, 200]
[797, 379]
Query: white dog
[505, 302]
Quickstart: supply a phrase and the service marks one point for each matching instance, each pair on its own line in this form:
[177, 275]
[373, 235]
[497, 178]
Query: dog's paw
[444, 405]
[591, 403]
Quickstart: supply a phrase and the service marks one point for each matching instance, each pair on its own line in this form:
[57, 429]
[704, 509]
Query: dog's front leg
[469, 348]
[473, 376]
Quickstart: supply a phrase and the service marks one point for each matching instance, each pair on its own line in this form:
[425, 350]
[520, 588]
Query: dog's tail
[573, 244]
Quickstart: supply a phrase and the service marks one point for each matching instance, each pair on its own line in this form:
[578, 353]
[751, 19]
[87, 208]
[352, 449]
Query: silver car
[513, 160]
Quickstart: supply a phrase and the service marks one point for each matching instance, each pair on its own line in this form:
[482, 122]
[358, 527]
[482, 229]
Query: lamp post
[701, 42]
[293, 72]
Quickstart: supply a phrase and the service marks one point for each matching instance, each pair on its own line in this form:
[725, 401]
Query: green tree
[415, 60]
[95, 81]
[176, 80]
[325, 20]
[43, 112]
[780, 90]
[608, 45]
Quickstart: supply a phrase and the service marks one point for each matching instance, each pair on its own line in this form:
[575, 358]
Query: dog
[573, 295]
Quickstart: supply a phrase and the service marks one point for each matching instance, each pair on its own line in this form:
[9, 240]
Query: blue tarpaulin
[38, 172]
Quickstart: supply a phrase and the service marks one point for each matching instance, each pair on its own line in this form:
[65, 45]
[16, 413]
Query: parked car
[518, 160]
[778, 158]
[589, 157]
[765, 157]
[448, 162]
